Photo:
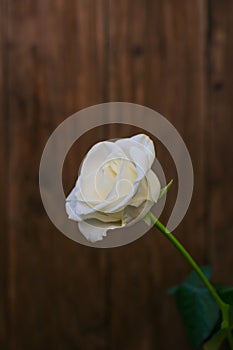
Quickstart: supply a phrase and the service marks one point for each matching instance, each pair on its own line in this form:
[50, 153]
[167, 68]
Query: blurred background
[57, 57]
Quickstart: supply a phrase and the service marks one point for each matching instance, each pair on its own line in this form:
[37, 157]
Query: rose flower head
[115, 188]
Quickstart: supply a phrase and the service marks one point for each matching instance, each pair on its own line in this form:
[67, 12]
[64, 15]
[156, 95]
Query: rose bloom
[116, 186]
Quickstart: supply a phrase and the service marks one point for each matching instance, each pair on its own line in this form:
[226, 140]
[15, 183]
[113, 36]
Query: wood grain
[158, 60]
[56, 288]
[220, 122]
[3, 180]
[57, 57]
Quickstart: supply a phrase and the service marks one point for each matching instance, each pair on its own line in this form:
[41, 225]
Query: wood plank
[56, 64]
[157, 59]
[3, 178]
[220, 124]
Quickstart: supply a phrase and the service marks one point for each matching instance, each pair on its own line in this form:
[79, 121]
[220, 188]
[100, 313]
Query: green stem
[222, 305]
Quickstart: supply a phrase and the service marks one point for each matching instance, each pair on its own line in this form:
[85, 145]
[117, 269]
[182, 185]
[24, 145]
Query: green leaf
[216, 341]
[164, 190]
[199, 311]
[226, 294]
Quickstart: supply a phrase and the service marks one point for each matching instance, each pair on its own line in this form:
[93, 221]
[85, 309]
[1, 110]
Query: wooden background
[57, 57]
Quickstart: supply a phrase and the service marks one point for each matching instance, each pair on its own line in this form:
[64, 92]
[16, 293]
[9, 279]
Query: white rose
[116, 186]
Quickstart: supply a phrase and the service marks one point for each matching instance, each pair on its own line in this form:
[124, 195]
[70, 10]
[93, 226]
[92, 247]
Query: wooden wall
[57, 57]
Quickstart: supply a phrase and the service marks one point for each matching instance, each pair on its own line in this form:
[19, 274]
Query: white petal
[141, 194]
[106, 176]
[86, 189]
[125, 179]
[123, 189]
[140, 149]
[142, 202]
[100, 154]
[148, 189]
[79, 211]
[95, 180]
[92, 233]
[71, 206]
[154, 186]
[95, 233]
[104, 217]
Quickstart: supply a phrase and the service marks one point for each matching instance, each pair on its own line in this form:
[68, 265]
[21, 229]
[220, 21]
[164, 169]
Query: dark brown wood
[157, 59]
[220, 124]
[57, 57]
[3, 180]
[56, 288]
